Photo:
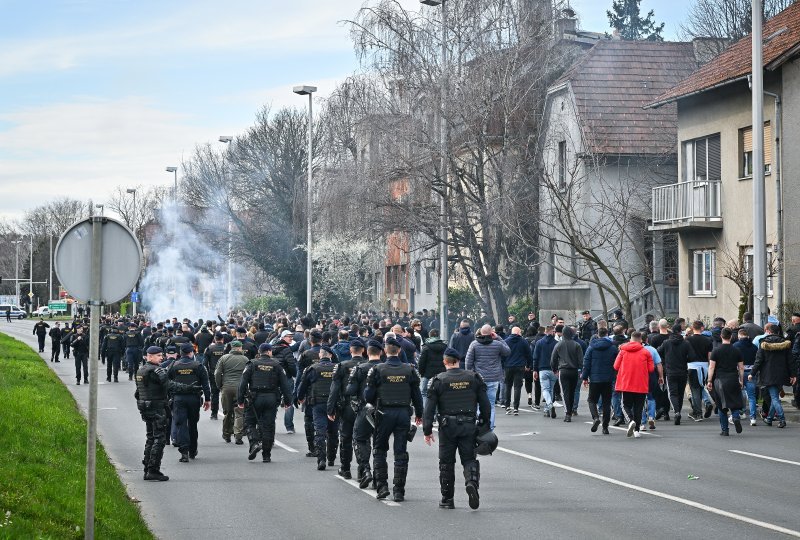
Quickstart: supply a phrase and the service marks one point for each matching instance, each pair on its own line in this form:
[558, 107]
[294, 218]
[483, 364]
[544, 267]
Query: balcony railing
[688, 204]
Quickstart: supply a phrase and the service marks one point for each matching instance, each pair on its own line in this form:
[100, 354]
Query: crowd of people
[365, 378]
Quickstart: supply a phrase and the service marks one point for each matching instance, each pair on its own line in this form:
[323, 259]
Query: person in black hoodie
[566, 361]
[598, 375]
[79, 342]
[775, 366]
[55, 343]
[431, 360]
[514, 368]
[676, 353]
[461, 339]
[533, 387]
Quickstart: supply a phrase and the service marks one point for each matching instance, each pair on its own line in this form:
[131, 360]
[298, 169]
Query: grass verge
[43, 456]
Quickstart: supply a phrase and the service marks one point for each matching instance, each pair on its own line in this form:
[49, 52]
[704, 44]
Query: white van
[16, 312]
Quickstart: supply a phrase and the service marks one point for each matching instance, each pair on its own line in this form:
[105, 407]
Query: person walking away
[634, 365]
[227, 376]
[514, 365]
[462, 339]
[133, 349]
[315, 385]
[339, 408]
[597, 376]
[533, 387]
[79, 342]
[213, 353]
[484, 357]
[430, 360]
[187, 401]
[66, 339]
[565, 362]
[698, 372]
[113, 347]
[542, 352]
[676, 354]
[152, 384]
[453, 398]
[55, 342]
[362, 428]
[775, 367]
[726, 380]
[748, 351]
[40, 331]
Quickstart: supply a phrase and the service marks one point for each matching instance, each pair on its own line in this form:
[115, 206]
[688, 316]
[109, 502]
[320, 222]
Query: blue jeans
[491, 392]
[547, 380]
[650, 408]
[423, 387]
[288, 415]
[723, 419]
[577, 399]
[775, 409]
[750, 391]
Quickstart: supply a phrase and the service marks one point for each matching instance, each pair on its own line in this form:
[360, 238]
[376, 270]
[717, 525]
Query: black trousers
[55, 351]
[41, 338]
[676, 388]
[362, 441]
[347, 420]
[214, 395]
[156, 424]
[81, 361]
[186, 412]
[513, 377]
[600, 390]
[263, 410]
[394, 422]
[113, 365]
[65, 349]
[325, 432]
[569, 380]
[632, 406]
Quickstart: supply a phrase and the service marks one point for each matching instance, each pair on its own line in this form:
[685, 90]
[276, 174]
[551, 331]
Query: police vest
[361, 377]
[186, 373]
[265, 376]
[132, 339]
[343, 373]
[321, 388]
[149, 385]
[395, 384]
[457, 393]
[213, 353]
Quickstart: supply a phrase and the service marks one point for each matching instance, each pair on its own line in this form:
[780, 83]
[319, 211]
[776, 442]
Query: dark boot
[155, 475]
[399, 488]
[321, 456]
[472, 476]
[447, 480]
[333, 446]
[255, 448]
[382, 479]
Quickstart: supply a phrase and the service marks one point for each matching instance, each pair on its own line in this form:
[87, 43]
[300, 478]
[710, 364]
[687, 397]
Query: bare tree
[148, 201]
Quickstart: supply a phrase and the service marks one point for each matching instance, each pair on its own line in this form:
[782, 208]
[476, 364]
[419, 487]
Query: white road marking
[779, 460]
[654, 493]
[367, 491]
[524, 434]
[285, 446]
[108, 408]
[643, 432]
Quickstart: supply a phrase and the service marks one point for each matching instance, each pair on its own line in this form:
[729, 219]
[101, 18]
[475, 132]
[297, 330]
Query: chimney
[566, 25]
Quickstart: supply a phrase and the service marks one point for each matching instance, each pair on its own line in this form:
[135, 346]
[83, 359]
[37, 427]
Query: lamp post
[30, 285]
[226, 139]
[306, 90]
[174, 170]
[759, 191]
[16, 270]
[133, 224]
[443, 275]
[100, 207]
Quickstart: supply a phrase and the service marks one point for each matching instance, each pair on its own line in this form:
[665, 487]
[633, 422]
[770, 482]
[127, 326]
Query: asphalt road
[548, 479]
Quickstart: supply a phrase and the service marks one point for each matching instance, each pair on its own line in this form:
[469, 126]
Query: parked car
[16, 312]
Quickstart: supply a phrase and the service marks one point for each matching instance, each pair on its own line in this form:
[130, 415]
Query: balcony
[687, 205]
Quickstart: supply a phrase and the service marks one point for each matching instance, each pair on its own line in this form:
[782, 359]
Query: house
[600, 153]
[710, 206]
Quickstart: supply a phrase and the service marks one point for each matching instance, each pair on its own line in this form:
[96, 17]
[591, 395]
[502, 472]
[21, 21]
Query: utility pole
[30, 290]
[759, 196]
[50, 286]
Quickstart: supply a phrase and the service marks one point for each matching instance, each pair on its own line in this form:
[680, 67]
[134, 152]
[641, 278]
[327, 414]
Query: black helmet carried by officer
[486, 443]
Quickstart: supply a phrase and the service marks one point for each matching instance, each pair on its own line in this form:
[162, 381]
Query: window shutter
[714, 158]
[767, 143]
[700, 163]
[747, 140]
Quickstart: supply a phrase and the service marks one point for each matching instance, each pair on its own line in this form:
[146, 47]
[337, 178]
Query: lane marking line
[654, 493]
[779, 460]
[368, 492]
[643, 432]
[285, 446]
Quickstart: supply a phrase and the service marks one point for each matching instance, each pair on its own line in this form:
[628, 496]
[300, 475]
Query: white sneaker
[636, 434]
[752, 421]
[631, 428]
[644, 427]
[557, 404]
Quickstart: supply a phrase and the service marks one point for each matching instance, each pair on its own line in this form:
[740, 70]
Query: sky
[102, 93]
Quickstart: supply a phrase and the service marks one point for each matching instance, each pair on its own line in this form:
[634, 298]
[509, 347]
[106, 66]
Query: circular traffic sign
[121, 260]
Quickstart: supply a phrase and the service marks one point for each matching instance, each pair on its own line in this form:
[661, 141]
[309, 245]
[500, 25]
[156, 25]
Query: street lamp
[443, 276]
[100, 207]
[174, 170]
[133, 223]
[227, 139]
[16, 271]
[308, 91]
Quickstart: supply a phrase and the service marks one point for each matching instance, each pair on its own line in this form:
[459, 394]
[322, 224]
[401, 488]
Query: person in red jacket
[634, 364]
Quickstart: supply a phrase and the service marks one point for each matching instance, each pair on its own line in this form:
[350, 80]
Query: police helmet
[486, 443]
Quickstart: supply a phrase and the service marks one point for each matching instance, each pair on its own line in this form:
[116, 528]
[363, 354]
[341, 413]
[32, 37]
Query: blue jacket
[461, 339]
[342, 350]
[542, 352]
[598, 361]
[521, 354]
[748, 350]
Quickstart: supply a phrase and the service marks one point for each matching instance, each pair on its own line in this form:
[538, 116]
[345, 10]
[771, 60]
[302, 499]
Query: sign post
[98, 261]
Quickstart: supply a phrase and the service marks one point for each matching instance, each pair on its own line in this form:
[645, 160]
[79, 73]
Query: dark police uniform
[391, 387]
[265, 382]
[40, 329]
[55, 343]
[112, 350]
[66, 337]
[316, 384]
[80, 350]
[151, 398]
[362, 429]
[307, 359]
[456, 393]
[214, 352]
[193, 381]
[133, 351]
[339, 407]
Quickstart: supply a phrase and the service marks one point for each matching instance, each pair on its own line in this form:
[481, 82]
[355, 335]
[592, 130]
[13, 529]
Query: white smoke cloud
[184, 276]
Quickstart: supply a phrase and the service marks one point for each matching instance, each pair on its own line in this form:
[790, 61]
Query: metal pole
[443, 275]
[778, 198]
[309, 203]
[175, 189]
[16, 273]
[50, 286]
[230, 265]
[133, 222]
[94, 348]
[30, 290]
[759, 196]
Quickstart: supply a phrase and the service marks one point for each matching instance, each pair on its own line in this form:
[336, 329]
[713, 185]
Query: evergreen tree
[625, 17]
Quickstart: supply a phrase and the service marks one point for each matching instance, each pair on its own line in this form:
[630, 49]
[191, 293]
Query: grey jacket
[229, 370]
[485, 355]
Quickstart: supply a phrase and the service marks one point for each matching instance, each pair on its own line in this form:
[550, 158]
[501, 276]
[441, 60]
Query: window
[704, 266]
[748, 265]
[746, 145]
[702, 160]
[562, 165]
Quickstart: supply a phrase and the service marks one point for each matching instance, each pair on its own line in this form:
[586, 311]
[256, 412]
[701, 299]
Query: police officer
[283, 352]
[265, 381]
[66, 337]
[151, 398]
[391, 387]
[339, 406]
[79, 341]
[171, 355]
[133, 349]
[213, 353]
[456, 393]
[362, 429]
[40, 330]
[306, 359]
[112, 349]
[55, 342]
[315, 383]
[193, 380]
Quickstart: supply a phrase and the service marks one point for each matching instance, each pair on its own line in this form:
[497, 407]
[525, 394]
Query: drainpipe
[778, 197]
